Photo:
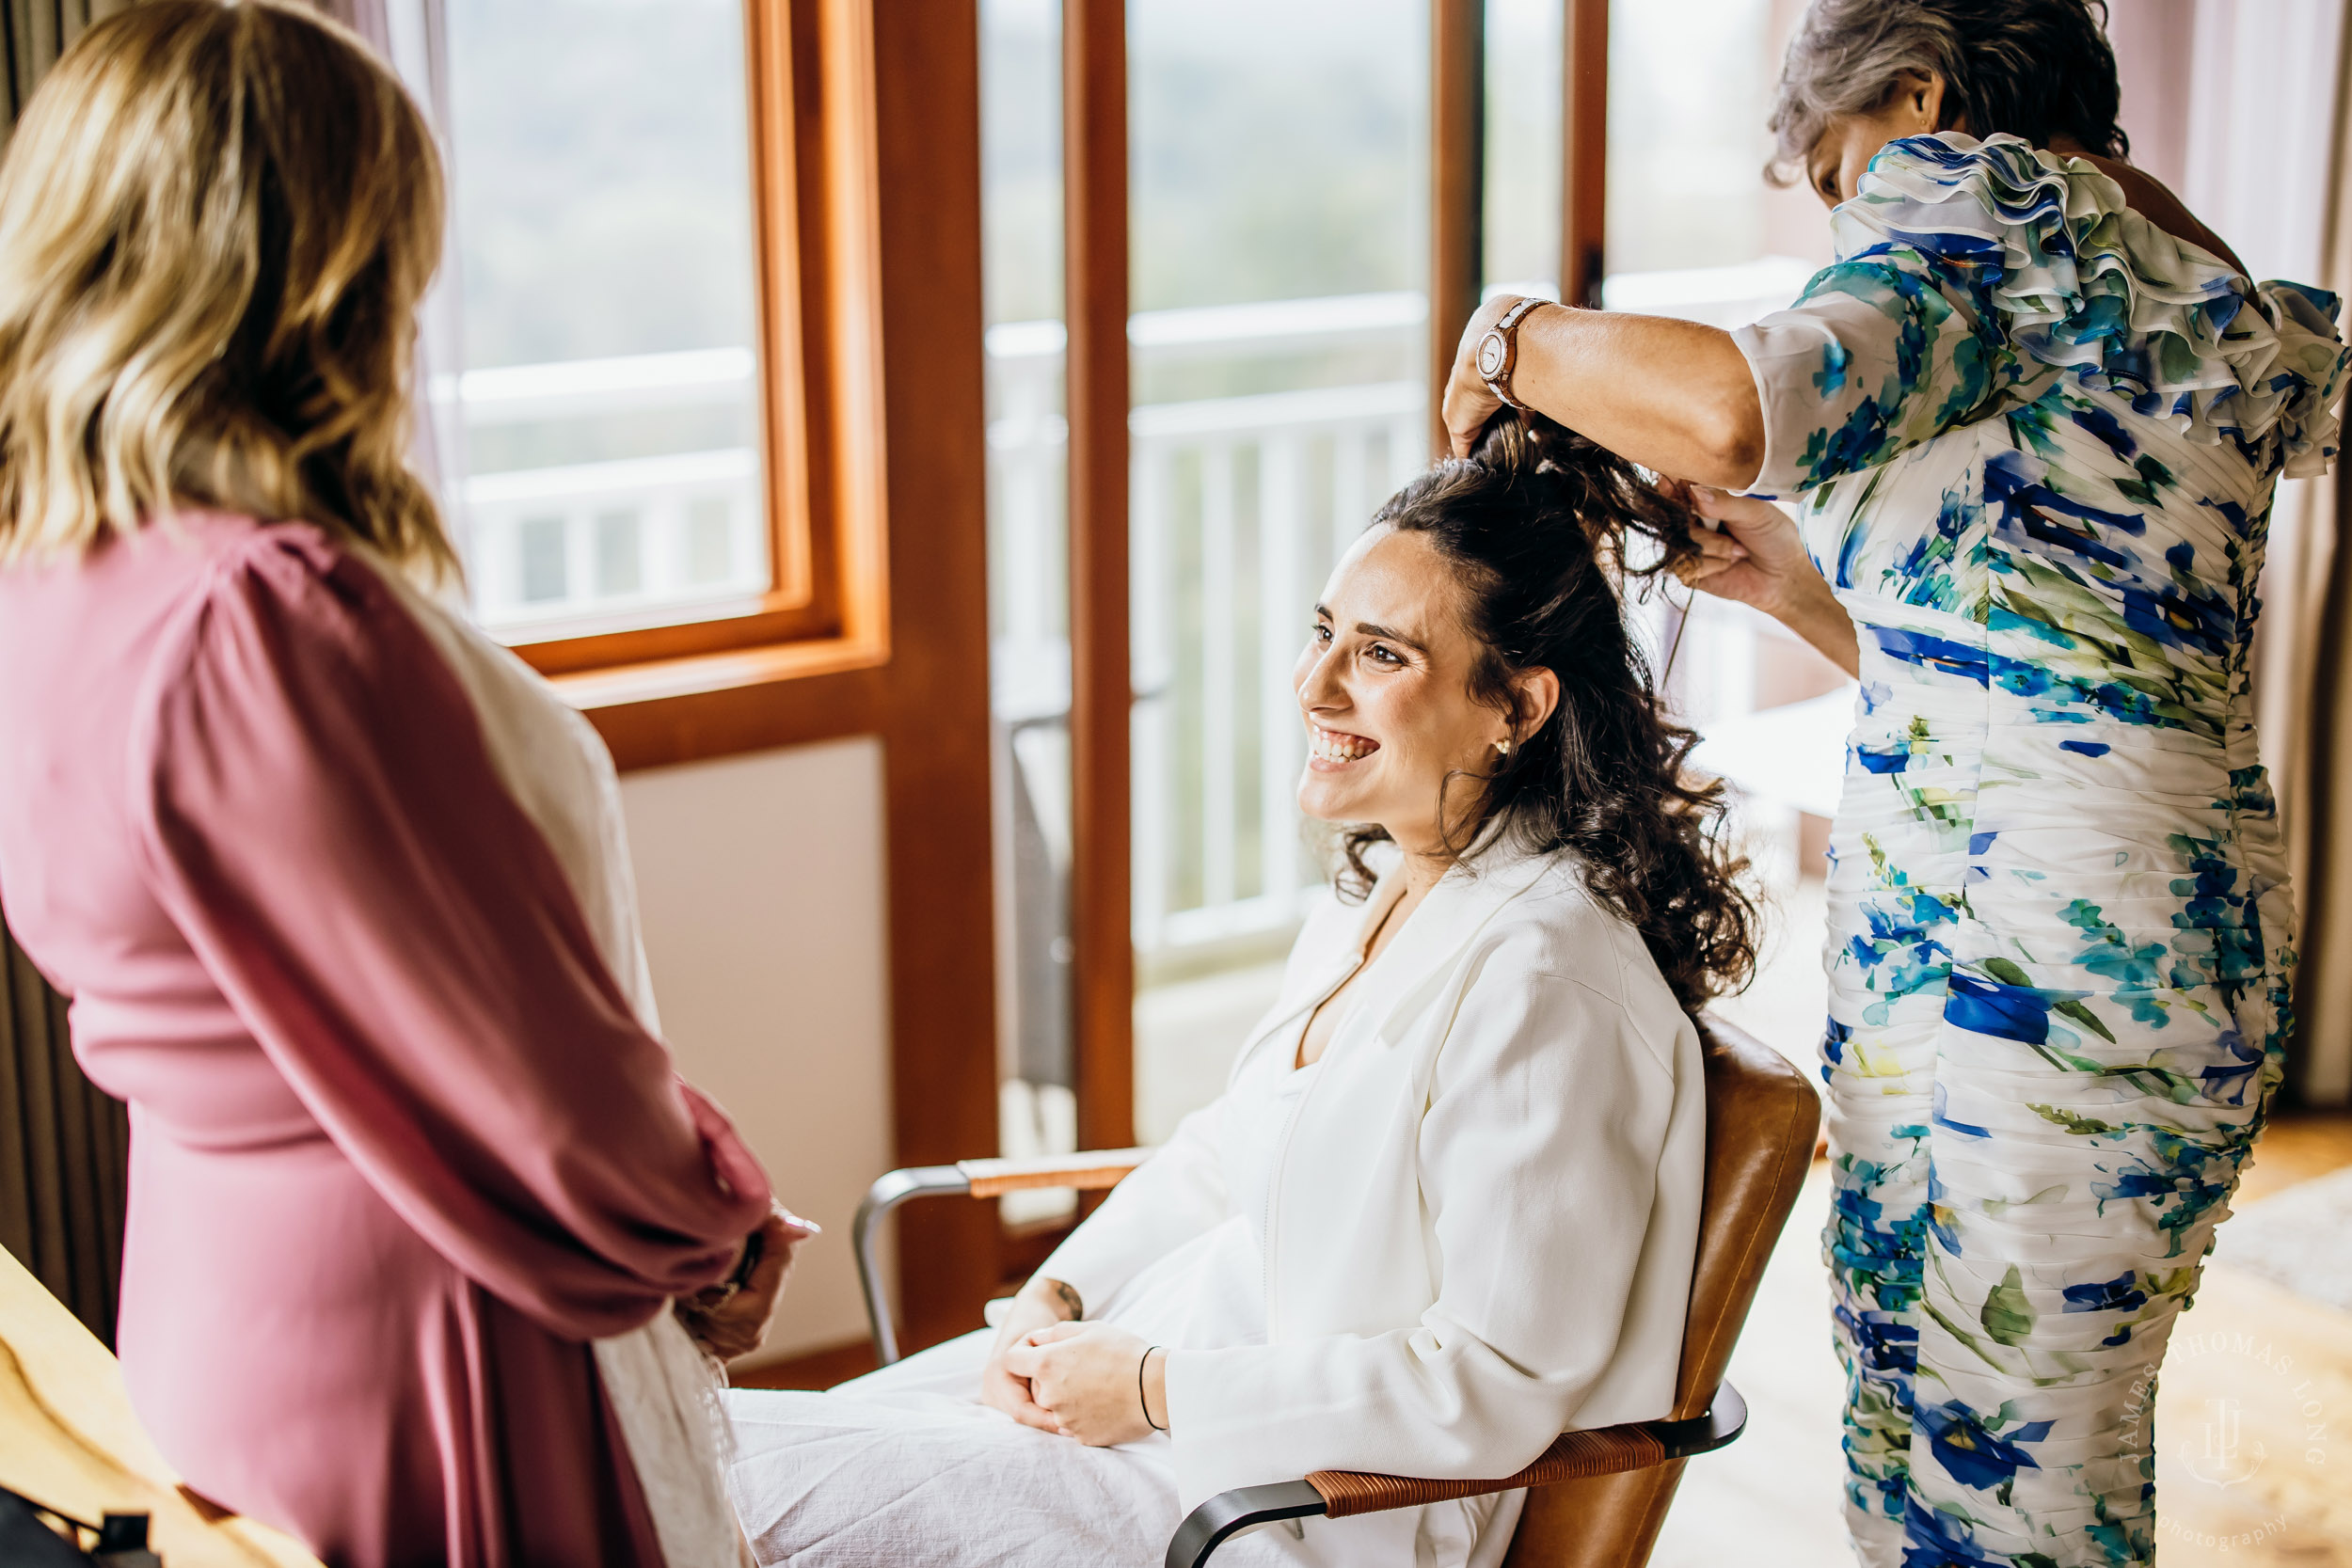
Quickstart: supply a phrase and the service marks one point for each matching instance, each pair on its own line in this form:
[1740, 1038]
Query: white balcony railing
[1240, 505]
[611, 543]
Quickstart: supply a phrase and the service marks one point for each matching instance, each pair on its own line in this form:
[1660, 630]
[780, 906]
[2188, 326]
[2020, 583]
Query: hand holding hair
[1756, 557]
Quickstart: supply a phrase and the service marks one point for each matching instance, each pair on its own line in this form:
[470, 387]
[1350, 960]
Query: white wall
[761, 880]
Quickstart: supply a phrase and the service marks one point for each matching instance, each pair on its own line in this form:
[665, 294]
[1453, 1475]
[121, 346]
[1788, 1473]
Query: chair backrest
[1762, 1118]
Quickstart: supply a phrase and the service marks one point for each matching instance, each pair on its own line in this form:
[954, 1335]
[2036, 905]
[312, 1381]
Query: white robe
[1469, 1227]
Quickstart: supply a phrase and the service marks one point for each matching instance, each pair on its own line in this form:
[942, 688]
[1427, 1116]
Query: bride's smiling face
[1384, 686]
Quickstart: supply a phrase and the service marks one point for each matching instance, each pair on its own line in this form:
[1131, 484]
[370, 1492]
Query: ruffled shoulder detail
[2048, 248]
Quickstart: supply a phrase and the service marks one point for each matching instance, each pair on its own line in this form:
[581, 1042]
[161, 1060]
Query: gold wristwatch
[1499, 352]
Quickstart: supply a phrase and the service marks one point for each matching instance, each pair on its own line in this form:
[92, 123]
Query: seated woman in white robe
[1448, 1204]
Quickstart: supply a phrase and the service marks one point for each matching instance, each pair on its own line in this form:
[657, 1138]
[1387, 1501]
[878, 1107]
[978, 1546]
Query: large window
[1282, 206]
[629, 358]
[1278, 217]
[1281, 230]
[610, 318]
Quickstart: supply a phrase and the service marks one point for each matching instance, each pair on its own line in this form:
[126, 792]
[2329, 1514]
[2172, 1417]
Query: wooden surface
[773, 700]
[941, 907]
[1102, 681]
[2295, 1146]
[1091, 1170]
[64, 1149]
[820, 1368]
[1457, 187]
[1584, 149]
[68, 1441]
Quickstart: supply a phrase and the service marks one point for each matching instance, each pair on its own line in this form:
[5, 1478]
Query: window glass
[1028, 586]
[1523, 196]
[606, 383]
[1281, 224]
[1278, 342]
[1693, 231]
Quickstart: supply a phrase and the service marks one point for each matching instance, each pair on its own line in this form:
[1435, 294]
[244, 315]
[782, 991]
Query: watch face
[1491, 352]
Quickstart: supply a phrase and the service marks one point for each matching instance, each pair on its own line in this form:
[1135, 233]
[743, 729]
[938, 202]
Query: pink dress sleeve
[322, 822]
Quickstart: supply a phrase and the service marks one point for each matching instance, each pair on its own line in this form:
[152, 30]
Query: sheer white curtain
[2268, 136]
[413, 34]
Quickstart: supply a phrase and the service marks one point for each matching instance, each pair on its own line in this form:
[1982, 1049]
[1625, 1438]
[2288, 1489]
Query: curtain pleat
[36, 33]
[64, 1145]
[64, 1151]
[2320, 692]
[2269, 152]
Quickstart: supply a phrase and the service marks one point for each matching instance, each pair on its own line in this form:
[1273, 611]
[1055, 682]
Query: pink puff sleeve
[322, 822]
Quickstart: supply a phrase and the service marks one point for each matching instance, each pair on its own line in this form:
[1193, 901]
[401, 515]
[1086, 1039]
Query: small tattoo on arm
[1069, 1298]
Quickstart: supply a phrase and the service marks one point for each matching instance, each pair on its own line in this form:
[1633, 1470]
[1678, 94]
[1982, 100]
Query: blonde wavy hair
[216, 220]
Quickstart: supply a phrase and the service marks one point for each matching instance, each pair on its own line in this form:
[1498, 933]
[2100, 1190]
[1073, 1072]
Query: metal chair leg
[881, 1198]
[1207, 1528]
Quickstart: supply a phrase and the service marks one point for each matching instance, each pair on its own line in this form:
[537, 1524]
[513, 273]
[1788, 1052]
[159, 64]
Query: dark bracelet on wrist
[1143, 1398]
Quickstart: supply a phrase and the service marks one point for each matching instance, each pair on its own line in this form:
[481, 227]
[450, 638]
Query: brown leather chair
[1596, 1499]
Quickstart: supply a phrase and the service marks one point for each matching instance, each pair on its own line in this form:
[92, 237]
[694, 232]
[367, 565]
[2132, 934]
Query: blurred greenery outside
[1278, 147]
[602, 202]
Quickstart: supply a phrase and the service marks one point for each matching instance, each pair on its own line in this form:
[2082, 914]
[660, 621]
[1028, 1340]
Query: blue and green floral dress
[2036, 438]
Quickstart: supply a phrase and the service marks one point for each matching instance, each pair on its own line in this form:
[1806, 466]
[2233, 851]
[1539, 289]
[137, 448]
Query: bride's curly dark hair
[1536, 525]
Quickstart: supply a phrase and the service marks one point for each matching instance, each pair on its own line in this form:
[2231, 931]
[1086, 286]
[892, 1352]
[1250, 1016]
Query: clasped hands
[1091, 1381]
[725, 1323]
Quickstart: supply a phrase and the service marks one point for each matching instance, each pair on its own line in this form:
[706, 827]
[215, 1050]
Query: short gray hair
[2037, 69]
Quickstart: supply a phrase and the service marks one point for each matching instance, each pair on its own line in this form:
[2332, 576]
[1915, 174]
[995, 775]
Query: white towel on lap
[906, 1468]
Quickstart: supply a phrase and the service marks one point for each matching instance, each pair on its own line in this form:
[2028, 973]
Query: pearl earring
[1504, 745]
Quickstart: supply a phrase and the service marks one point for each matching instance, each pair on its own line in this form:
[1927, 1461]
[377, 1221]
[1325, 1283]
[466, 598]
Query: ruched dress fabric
[2038, 439]
[412, 1181]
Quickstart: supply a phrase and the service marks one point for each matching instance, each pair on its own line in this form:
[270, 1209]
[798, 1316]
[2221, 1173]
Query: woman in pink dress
[336, 883]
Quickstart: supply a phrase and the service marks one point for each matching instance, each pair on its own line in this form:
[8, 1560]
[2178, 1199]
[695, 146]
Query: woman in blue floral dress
[2035, 414]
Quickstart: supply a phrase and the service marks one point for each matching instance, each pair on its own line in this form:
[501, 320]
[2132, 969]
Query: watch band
[1499, 352]
[715, 1296]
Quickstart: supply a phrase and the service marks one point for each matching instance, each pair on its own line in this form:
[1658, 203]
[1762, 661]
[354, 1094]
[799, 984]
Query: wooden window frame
[1095, 196]
[867, 197]
[1102, 677]
[1583, 148]
[693, 687]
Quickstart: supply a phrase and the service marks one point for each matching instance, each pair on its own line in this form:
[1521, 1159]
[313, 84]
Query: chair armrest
[1092, 1170]
[1338, 1494]
[1088, 1169]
